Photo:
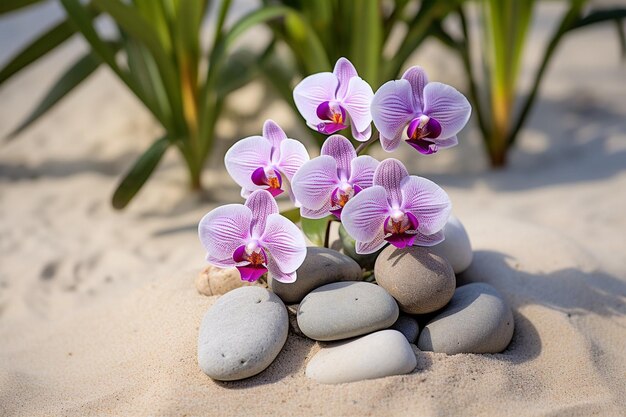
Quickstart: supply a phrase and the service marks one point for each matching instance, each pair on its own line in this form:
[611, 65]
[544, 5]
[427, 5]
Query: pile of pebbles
[367, 330]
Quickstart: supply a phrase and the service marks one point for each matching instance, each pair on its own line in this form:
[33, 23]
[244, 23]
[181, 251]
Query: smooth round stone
[376, 355]
[346, 309]
[407, 326]
[419, 280]
[242, 333]
[320, 267]
[477, 320]
[456, 248]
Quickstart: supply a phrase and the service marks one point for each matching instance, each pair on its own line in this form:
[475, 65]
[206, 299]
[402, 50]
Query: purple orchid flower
[325, 184]
[262, 162]
[329, 101]
[427, 115]
[254, 238]
[400, 209]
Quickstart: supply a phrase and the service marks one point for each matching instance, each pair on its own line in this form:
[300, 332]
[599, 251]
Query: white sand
[99, 314]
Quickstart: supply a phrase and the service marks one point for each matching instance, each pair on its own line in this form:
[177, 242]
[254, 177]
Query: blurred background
[116, 116]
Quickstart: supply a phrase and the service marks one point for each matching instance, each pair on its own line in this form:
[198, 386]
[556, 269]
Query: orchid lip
[423, 127]
[401, 228]
[274, 181]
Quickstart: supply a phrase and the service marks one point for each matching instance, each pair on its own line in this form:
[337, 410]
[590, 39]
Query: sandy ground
[99, 314]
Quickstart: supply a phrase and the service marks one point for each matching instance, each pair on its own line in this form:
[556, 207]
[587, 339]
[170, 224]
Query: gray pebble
[477, 320]
[419, 280]
[242, 333]
[376, 355]
[408, 326]
[320, 267]
[346, 309]
[457, 248]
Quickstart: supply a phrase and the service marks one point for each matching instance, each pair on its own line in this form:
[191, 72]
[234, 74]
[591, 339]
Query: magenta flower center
[333, 116]
[268, 177]
[420, 130]
[256, 259]
[400, 228]
[340, 197]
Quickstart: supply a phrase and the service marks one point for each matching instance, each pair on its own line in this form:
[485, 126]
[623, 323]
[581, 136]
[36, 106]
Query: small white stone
[456, 248]
[376, 355]
[242, 333]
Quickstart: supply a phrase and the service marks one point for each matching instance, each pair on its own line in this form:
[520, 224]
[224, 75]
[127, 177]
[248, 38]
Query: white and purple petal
[416, 76]
[358, 102]
[284, 242]
[313, 91]
[428, 240]
[341, 150]
[364, 214]
[365, 248]
[389, 175]
[362, 170]
[223, 230]
[446, 105]
[426, 201]
[276, 273]
[261, 203]
[390, 144]
[244, 157]
[293, 155]
[315, 181]
[275, 135]
[393, 108]
[344, 71]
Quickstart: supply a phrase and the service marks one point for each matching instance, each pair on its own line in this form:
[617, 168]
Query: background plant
[156, 52]
[377, 36]
[492, 66]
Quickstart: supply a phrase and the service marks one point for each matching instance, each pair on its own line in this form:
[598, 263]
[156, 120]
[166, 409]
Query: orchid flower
[427, 115]
[325, 184]
[400, 209]
[262, 162]
[329, 101]
[254, 238]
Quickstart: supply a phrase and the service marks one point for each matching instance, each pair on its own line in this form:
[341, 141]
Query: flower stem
[363, 146]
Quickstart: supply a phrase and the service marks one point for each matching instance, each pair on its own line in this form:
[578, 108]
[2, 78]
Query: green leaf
[600, 16]
[37, 48]
[139, 173]
[292, 214]
[7, 6]
[367, 32]
[315, 229]
[238, 70]
[136, 26]
[74, 75]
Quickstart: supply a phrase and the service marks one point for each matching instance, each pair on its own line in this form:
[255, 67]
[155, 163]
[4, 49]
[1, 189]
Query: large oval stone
[346, 309]
[376, 355]
[477, 320]
[456, 248]
[242, 333]
[320, 267]
[420, 280]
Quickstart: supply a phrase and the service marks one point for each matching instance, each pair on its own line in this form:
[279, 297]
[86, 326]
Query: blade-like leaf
[237, 71]
[367, 32]
[136, 26]
[599, 16]
[139, 173]
[74, 75]
[315, 230]
[37, 48]
[7, 6]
